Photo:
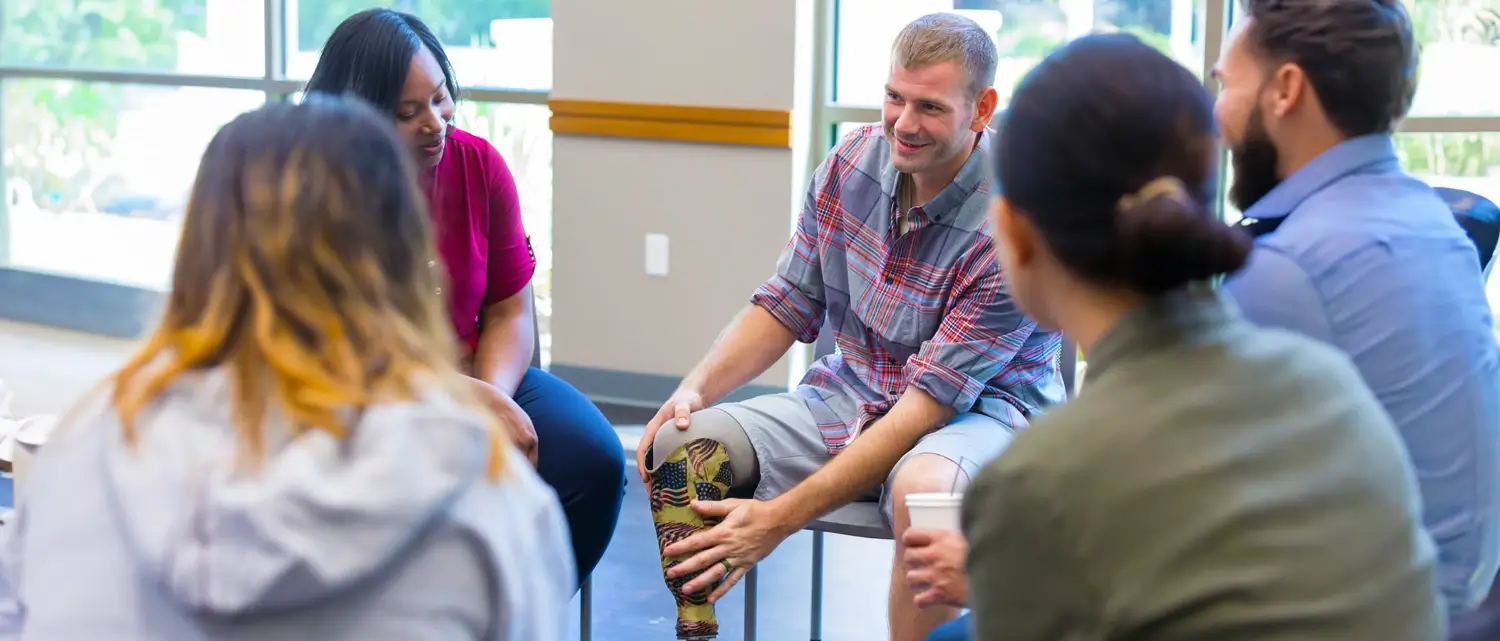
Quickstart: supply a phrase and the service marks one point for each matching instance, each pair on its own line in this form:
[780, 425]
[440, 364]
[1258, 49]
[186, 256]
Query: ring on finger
[728, 570]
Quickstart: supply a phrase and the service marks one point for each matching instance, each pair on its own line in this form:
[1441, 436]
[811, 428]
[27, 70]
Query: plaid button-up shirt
[924, 308]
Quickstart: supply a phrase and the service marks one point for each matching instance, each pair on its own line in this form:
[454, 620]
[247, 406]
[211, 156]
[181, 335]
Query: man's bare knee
[929, 472]
[716, 425]
[922, 474]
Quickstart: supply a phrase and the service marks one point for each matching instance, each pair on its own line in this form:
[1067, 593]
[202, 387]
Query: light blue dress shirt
[1370, 260]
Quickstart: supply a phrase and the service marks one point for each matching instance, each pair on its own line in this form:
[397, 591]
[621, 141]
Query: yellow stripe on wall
[707, 125]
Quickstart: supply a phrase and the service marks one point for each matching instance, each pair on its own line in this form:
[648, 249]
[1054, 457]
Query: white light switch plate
[656, 254]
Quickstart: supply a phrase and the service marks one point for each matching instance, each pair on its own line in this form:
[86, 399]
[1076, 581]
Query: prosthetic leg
[697, 470]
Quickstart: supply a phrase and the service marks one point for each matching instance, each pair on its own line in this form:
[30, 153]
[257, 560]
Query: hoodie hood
[318, 516]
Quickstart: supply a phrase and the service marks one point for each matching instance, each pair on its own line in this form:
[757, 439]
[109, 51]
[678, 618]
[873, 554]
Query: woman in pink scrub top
[393, 61]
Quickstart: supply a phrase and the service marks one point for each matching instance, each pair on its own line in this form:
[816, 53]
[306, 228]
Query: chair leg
[817, 587]
[750, 603]
[586, 610]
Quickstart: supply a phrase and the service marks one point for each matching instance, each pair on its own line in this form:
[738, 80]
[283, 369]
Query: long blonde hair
[307, 270]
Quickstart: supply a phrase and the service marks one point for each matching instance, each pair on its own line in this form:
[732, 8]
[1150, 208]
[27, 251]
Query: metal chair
[1067, 365]
[862, 518]
[585, 591]
[1480, 219]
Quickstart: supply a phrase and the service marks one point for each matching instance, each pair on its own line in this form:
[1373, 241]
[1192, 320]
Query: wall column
[671, 117]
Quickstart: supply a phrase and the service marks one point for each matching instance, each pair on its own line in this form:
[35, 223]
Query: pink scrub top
[480, 238]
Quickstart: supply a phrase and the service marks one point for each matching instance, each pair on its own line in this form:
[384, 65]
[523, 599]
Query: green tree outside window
[456, 22]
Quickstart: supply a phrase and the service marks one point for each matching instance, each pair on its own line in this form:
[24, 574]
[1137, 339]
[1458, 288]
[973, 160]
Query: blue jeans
[955, 630]
[579, 455]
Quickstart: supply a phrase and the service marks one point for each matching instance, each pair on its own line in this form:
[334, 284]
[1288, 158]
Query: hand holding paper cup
[936, 510]
[21, 445]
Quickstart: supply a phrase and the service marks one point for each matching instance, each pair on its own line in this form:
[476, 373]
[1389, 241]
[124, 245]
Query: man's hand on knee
[678, 409]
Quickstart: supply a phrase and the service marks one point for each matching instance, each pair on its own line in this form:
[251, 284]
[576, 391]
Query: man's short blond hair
[941, 37]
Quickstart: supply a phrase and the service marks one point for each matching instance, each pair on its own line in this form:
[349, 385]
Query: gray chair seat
[861, 519]
[1479, 218]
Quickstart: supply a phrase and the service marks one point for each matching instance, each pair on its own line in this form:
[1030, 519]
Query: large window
[856, 44]
[1024, 32]
[521, 134]
[492, 43]
[208, 37]
[1468, 161]
[97, 174]
[1458, 38]
[106, 107]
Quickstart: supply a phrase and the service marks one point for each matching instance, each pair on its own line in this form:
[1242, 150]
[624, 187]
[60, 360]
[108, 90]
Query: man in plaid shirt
[936, 368]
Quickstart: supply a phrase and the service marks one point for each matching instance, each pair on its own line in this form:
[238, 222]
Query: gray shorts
[783, 429]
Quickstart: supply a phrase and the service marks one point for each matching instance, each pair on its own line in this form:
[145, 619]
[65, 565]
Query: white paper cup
[29, 437]
[939, 511]
[20, 466]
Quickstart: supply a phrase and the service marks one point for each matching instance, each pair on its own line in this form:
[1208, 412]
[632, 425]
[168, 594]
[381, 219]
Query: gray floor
[631, 603]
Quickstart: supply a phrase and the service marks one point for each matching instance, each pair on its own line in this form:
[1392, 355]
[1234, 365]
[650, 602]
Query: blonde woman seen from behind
[293, 454]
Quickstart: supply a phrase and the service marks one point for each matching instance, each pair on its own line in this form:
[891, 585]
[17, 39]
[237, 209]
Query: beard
[1255, 160]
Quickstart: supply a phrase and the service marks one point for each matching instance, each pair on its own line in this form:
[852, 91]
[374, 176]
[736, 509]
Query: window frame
[827, 114]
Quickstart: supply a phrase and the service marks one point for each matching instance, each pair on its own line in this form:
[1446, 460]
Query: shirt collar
[1362, 153]
[1186, 314]
[949, 201]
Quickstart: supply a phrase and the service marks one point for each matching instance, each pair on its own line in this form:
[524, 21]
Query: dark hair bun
[1166, 241]
[1108, 147]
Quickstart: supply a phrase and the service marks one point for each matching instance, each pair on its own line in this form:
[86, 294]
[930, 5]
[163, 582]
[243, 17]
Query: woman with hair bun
[1213, 480]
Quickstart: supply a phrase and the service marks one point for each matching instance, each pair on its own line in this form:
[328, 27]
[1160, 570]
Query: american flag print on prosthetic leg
[699, 471]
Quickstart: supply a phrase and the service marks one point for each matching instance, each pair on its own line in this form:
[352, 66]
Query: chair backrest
[536, 335]
[825, 345]
[1067, 363]
[1479, 218]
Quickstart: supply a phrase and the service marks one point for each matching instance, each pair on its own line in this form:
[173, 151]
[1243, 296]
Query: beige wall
[709, 53]
[726, 210]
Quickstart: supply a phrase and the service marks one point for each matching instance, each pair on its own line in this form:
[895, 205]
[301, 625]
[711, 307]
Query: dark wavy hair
[1360, 56]
[369, 56]
[1091, 137]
